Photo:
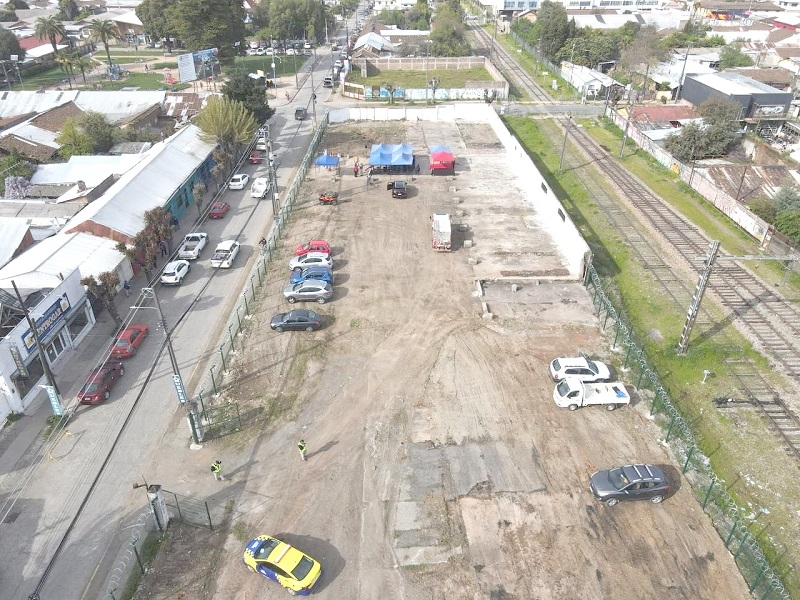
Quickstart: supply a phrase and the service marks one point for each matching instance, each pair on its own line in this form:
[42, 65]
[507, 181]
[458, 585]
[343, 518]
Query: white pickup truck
[192, 246]
[572, 393]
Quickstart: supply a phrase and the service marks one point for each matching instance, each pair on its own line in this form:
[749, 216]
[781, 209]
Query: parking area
[438, 464]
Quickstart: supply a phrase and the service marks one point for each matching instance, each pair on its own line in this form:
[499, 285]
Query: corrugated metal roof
[44, 264]
[21, 103]
[117, 105]
[149, 184]
[12, 231]
[89, 169]
[733, 83]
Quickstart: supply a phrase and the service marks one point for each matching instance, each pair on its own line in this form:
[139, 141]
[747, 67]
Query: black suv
[399, 189]
[631, 482]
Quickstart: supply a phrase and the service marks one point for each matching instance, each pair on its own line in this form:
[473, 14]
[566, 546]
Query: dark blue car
[321, 273]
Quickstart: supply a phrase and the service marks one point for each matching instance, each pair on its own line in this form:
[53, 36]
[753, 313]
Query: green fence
[211, 384]
[729, 519]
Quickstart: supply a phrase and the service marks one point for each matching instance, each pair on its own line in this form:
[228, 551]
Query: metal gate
[188, 510]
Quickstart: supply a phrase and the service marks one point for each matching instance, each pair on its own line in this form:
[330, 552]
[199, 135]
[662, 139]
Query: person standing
[127, 287]
[301, 445]
[216, 469]
[163, 246]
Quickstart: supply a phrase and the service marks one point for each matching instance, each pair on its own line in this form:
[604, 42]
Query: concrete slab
[422, 473]
[425, 555]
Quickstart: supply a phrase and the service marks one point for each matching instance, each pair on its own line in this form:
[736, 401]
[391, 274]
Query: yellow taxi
[298, 573]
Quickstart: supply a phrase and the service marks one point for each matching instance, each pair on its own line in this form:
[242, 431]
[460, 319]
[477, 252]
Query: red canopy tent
[442, 159]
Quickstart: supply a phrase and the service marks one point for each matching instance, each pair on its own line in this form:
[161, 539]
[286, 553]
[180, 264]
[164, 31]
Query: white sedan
[225, 254]
[312, 259]
[239, 181]
[580, 368]
[175, 271]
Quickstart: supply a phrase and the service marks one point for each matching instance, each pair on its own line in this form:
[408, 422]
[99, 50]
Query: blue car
[321, 273]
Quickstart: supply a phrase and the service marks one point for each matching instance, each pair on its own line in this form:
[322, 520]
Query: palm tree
[65, 62]
[82, 63]
[103, 31]
[50, 28]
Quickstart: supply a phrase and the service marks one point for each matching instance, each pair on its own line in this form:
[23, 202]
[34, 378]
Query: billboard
[198, 65]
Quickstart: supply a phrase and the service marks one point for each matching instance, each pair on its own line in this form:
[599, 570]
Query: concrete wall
[551, 213]
[472, 90]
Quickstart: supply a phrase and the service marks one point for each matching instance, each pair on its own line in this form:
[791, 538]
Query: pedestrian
[287, 96]
[216, 469]
[155, 261]
[163, 247]
[369, 179]
[355, 170]
[301, 445]
[127, 287]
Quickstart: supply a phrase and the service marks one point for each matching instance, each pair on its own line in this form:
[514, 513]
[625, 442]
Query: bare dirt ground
[438, 466]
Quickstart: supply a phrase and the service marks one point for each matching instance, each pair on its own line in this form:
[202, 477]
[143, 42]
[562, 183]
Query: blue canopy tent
[392, 157]
[327, 160]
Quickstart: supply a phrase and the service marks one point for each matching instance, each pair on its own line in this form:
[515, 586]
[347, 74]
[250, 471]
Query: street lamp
[427, 81]
[149, 292]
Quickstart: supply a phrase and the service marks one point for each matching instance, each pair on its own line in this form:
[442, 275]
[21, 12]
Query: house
[372, 45]
[757, 99]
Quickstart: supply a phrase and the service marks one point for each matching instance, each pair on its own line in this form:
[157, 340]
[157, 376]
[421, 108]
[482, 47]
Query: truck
[192, 246]
[441, 231]
[572, 393]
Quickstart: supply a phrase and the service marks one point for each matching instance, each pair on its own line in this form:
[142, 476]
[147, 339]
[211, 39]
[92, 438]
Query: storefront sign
[47, 322]
[15, 354]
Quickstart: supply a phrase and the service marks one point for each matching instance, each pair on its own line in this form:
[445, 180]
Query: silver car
[311, 259]
[308, 291]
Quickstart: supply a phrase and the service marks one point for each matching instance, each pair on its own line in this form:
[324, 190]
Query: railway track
[759, 311]
[509, 67]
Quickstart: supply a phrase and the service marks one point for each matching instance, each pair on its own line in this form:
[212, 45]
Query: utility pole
[564, 145]
[683, 71]
[176, 373]
[51, 381]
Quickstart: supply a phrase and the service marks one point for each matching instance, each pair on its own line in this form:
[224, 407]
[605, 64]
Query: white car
[225, 254]
[239, 181]
[175, 271]
[261, 144]
[192, 246]
[260, 187]
[579, 368]
[312, 259]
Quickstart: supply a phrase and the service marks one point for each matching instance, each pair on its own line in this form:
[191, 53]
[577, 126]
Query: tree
[448, 36]
[50, 28]
[82, 63]
[89, 133]
[787, 198]
[226, 122]
[199, 193]
[72, 139]
[17, 5]
[68, 10]
[716, 136]
[788, 223]
[732, 56]
[222, 24]
[104, 288]
[152, 14]
[9, 46]
[764, 208]
[552, 28]
[103, 31]
[144, 249]
[243, 88]
[14, 165]
[290, 19]
[644, 52]
[8, 16]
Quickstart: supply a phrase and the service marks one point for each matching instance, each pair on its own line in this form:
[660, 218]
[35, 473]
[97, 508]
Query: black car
[631, 482]
[296, 320]
[399, 189]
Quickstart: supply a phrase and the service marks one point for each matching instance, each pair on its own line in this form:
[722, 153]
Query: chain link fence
[731, 521]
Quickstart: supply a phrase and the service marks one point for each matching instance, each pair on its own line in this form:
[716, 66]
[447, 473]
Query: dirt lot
[438, 466]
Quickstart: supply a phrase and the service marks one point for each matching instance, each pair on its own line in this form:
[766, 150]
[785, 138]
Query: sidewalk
[21, 441]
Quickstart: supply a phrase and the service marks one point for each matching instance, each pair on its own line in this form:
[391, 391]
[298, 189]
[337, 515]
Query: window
[78, 323]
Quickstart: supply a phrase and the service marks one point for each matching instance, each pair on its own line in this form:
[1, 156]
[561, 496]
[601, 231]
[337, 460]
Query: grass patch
[456, 78]
[742, 450]
[147, 554]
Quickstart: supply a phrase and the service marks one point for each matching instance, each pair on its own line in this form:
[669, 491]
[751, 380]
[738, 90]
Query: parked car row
[311, 281]
[581, 382]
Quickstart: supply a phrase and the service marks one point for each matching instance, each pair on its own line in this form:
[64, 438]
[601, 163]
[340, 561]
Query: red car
[98, 386]
[218, 210]
[313, 246]
[128, 341]
[256, 157]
